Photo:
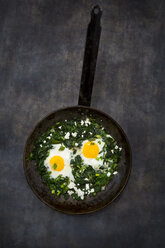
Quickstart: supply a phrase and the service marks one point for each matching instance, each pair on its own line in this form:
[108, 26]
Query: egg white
[66, 155]
[92, 161]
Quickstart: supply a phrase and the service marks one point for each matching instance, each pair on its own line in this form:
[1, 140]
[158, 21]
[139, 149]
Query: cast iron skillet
[119, 181]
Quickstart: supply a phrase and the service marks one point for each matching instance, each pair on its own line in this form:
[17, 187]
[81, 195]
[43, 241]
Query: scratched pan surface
[89, 204]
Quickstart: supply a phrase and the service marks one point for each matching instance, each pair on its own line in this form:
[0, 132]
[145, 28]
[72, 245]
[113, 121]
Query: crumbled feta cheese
[79, 192]
[120, 148]
[44, 141]
[74, 134]
[115, 172]
[82, 197]
[75, 123]
[82, 135]
[90, 132]
[108, 174]
[112, 151]
[49, 137]
[65, 120]
[82, 122]
[40, 145]
[59, 127]
[111, 160]
[116, 147]
[87, 186]
[67, 135]
[86, 179]
[87, 121]
[103, 188]
[76, 144]
[92, 190]
[69, 192]
[71, 185]
[50, 134]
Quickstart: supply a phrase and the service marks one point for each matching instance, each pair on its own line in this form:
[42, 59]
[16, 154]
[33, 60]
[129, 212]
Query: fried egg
[58, 162]
[91, 152]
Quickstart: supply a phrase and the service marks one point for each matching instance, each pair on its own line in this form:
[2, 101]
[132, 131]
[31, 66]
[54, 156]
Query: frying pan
[118, 182]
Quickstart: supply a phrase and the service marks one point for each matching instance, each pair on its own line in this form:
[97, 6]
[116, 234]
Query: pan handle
[90, 57]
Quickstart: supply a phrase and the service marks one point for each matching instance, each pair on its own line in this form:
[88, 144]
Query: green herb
[58, 193]
[54, 166]
[62, 148]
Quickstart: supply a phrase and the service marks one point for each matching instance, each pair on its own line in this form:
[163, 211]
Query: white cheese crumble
[74, 134]
[87, 121]
[120, 149]
[79, 192]
[50, 134]
[82, 122]
[112, 151]
[108, 174]
[116, 147]
[92, 190]
[67, 135]
[40, 145]
[71, 185]
[115, 172]
[87, 186]
[76, 144]
[44, 141]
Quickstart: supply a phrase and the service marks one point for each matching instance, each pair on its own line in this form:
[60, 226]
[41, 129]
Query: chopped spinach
[86, 179]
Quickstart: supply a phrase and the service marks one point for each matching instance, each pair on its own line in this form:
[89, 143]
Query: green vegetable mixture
[88, 181]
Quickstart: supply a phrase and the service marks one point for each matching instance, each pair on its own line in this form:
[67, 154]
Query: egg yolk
[90, 150]
[57, 163]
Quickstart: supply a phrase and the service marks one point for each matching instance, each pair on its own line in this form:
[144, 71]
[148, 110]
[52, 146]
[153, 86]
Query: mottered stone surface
[41, 54]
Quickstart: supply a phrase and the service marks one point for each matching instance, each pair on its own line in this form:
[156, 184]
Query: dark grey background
[41, 53]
